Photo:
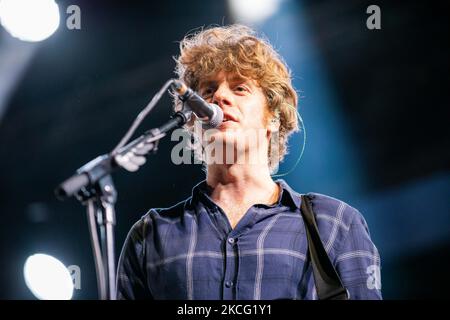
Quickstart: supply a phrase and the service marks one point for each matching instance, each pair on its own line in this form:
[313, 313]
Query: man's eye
[241, 88]
[207, 92]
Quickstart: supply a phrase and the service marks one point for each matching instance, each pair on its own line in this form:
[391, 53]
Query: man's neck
[241, 183]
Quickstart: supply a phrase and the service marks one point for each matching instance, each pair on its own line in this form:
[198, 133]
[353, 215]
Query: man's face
[245, 111]
[246, 114]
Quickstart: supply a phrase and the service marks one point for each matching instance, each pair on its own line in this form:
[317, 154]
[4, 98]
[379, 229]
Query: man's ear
[274, 124]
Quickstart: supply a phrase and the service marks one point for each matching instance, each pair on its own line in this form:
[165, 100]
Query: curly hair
[237, 49]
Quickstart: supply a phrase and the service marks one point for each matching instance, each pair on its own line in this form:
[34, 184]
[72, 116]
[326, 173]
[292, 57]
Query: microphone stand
[94, 188]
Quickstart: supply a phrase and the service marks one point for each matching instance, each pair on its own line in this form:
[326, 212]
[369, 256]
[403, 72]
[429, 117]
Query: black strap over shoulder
[328, 284]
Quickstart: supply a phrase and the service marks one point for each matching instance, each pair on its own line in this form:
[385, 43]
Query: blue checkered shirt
[190, 251]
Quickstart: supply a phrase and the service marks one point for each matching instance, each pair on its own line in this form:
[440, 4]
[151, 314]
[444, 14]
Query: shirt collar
[200, 194]
[287, 197]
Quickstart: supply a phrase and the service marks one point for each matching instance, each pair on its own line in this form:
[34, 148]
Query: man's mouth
[226, 123]
[228, 118]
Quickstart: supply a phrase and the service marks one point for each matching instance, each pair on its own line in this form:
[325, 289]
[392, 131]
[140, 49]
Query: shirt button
[229, 284]
[231, 240]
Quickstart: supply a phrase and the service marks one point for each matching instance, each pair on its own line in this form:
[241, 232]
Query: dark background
[375, 105]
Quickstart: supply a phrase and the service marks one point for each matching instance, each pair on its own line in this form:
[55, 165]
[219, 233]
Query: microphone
[209, 113]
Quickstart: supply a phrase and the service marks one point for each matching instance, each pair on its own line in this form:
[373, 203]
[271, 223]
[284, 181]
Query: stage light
[48, 278]
[253, 11]
[29, 20]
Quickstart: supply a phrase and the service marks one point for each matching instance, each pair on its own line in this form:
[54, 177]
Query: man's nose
[223, 96]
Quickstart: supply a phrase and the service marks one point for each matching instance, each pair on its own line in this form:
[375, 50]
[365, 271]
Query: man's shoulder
[158, 219]
[334, 215]
[330, 206]
[171, 214]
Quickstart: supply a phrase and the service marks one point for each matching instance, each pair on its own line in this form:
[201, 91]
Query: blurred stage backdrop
[375, 105]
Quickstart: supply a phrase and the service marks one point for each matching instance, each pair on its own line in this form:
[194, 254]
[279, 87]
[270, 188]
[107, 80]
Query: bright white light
[29, 20]
[48, 278]
[253, 11]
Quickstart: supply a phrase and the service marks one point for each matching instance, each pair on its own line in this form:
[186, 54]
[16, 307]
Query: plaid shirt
[190, 251]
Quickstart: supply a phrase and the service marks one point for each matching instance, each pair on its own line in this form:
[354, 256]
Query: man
[241, 235]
